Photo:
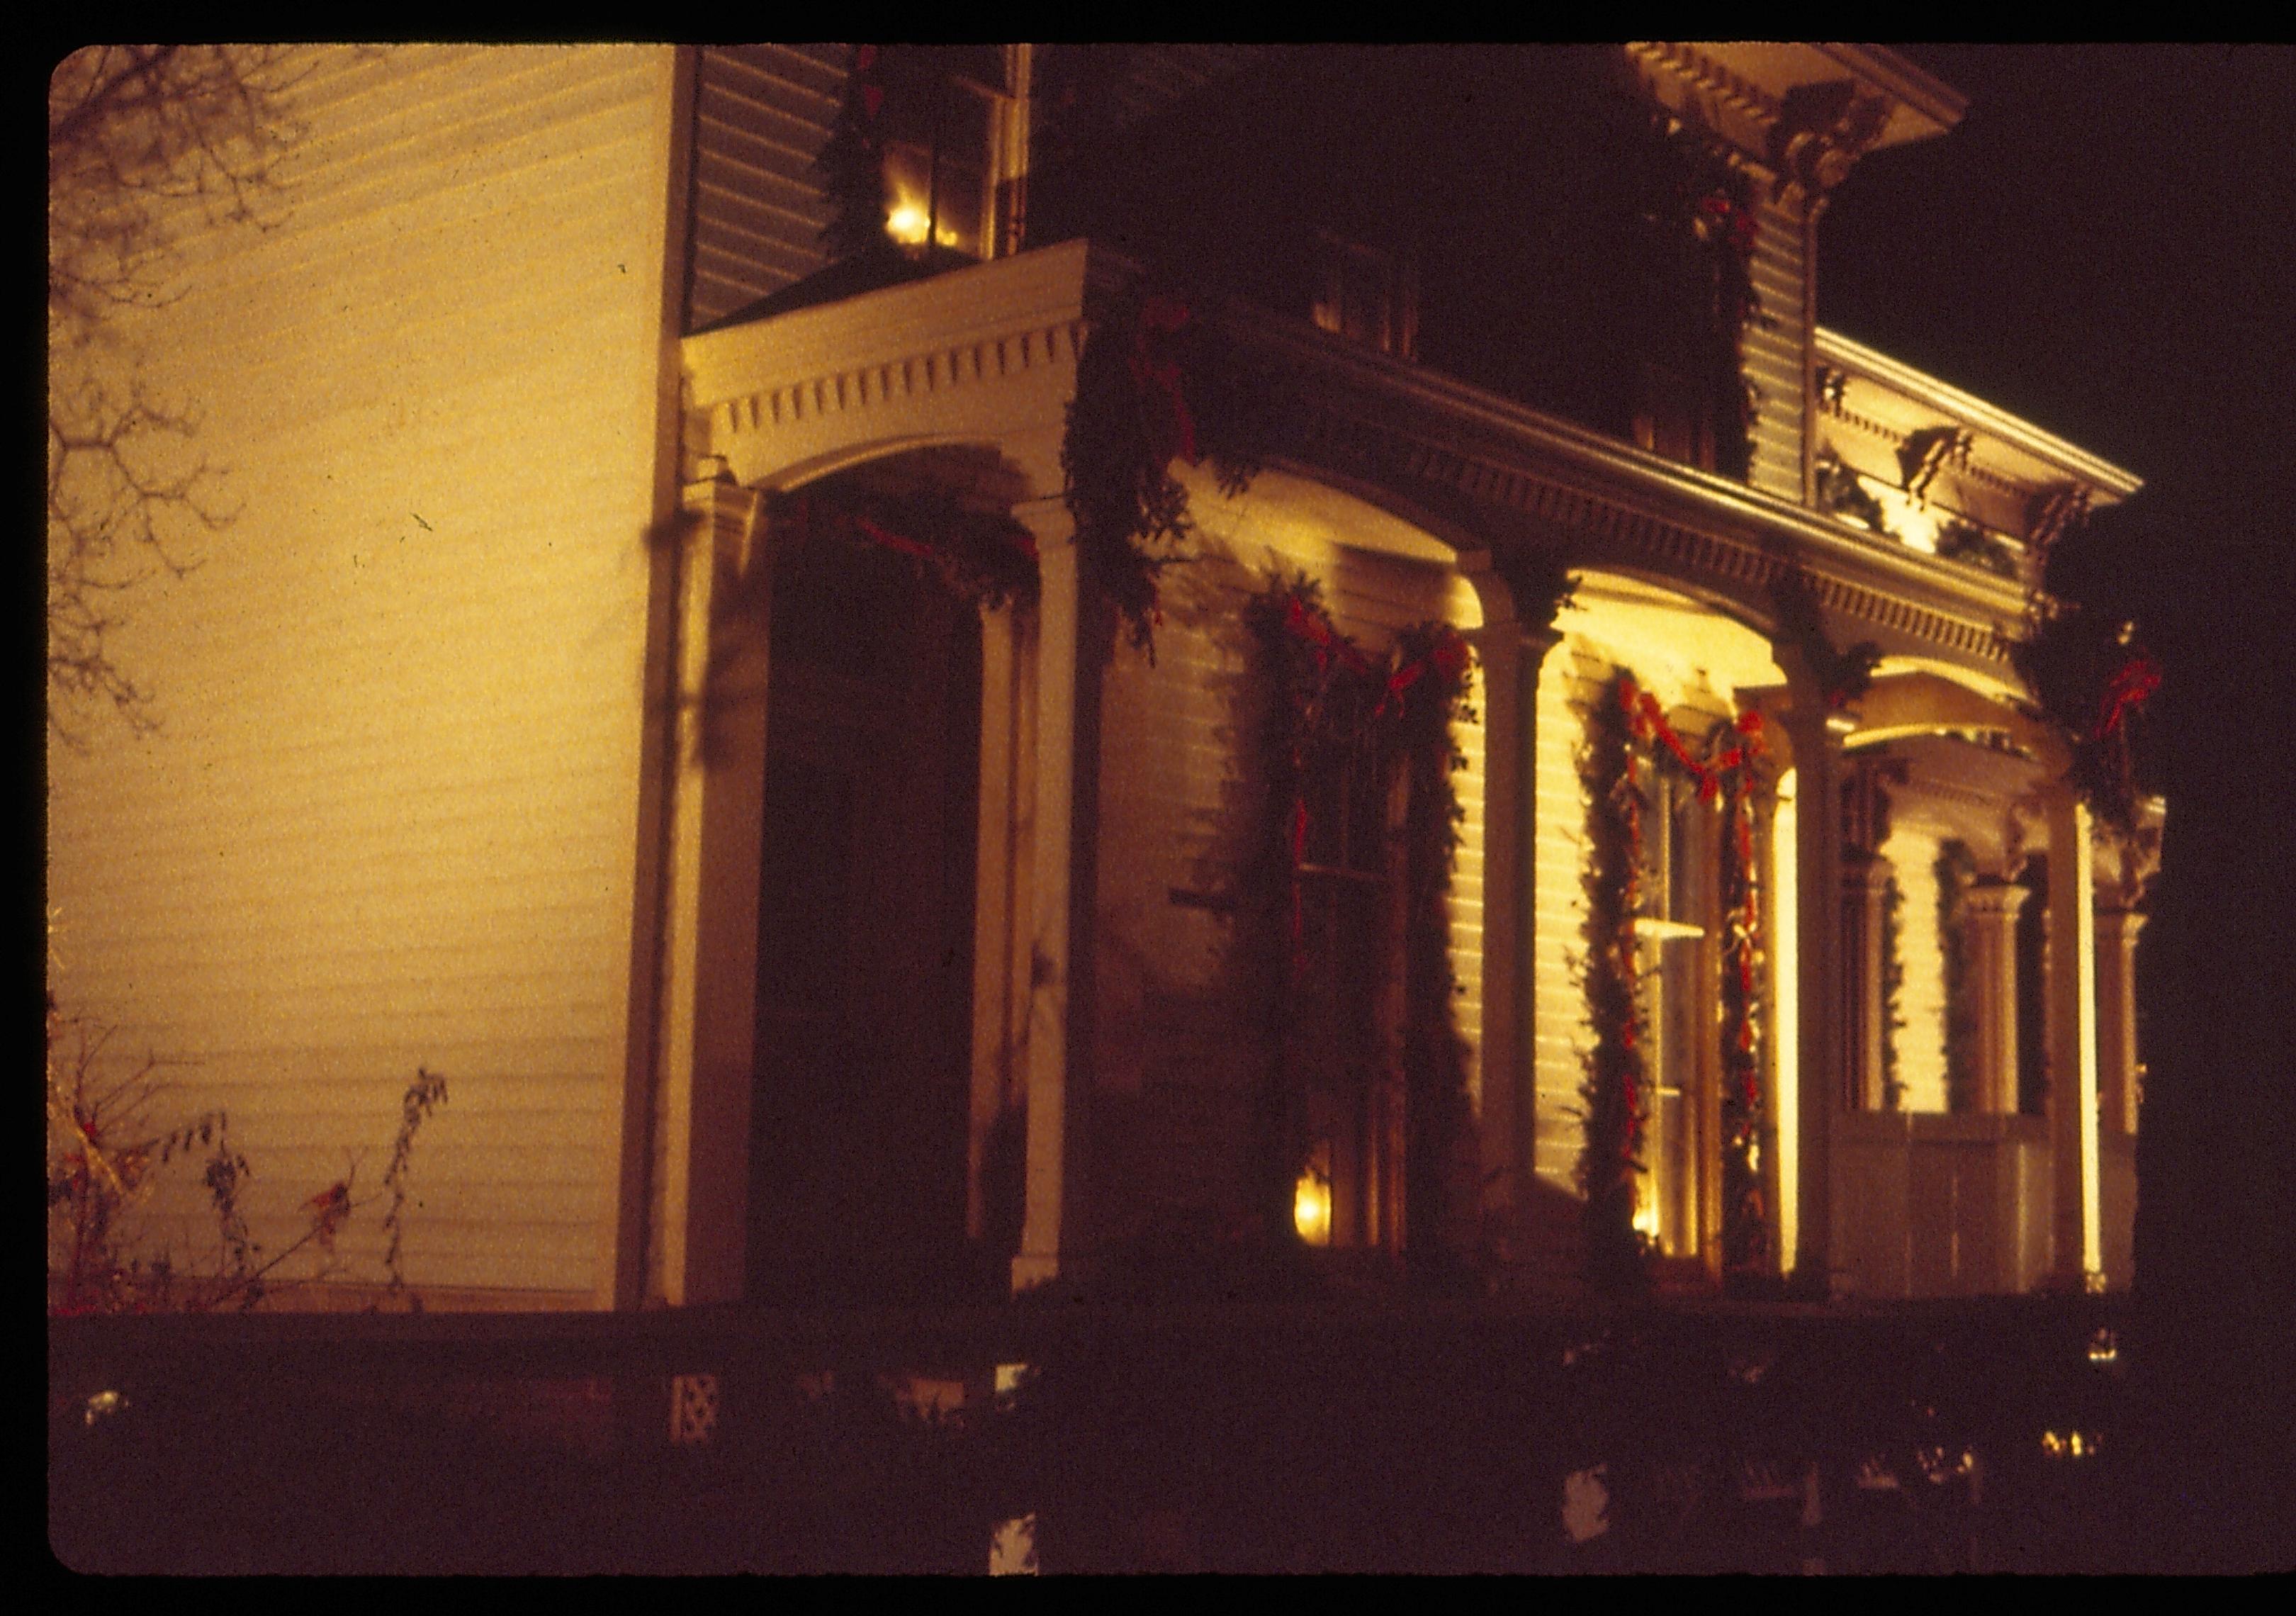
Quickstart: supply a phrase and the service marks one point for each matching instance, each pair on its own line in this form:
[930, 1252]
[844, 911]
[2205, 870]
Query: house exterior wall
[1773, 348]
[1179, 1041]
[400, 814]
[761, 115]
[391, 818]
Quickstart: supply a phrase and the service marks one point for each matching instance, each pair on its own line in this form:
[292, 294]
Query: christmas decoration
[1154, 384]
[852, 161]
[983, 557]
[1627, 734]
[1335, 707]
[2094, 678]
[1955, 868]
[1842, 676]
[1893, 988]
[1703, 221]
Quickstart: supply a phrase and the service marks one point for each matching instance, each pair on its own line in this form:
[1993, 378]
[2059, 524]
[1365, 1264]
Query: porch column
[1822, 1089]
[1510, 655]
[1988, 931]
[706, 1057]
[1864, 894]
[1067, 767]
[2073, 1041]
[2116, 1015]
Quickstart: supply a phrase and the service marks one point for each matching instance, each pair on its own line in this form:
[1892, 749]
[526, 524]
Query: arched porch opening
[863, 1171]
[1705, 666]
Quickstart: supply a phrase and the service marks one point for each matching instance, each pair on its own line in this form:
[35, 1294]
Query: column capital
[1995, 898]
[733, 515]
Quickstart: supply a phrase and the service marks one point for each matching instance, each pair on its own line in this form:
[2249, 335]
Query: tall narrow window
[1671, 419]
[1678, 1015]
[1346, 1009]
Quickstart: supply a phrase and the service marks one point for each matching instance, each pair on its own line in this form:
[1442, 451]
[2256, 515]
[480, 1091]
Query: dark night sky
[2104, 246]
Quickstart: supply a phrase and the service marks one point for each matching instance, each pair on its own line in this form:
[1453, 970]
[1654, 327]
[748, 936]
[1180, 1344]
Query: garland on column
[2094, 679]
[1745, 1216]
[1955, 868]
[1627, 730]
[982, 557]
[1893, 989]
[1843, 676]
[1333, 701]
[1153, 385]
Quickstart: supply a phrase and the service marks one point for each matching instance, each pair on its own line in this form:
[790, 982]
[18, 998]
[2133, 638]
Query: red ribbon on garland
[1156, 369]
[2132, 685]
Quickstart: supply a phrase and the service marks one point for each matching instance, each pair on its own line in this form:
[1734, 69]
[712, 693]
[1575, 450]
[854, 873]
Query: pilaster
[1067, 765]
[707, 1051]
[2077, 1220]
[2119, 1070]
[1510, 652]
[1822, 1083]
[1865, 1014]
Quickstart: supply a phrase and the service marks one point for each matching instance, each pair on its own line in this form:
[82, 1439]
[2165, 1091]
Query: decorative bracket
[2054, 513]
[1822, 130]
[1926, 453]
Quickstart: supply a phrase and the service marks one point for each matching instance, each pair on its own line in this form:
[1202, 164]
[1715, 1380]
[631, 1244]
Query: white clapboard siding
[1774, 352]
[390, 821]
[762, 112]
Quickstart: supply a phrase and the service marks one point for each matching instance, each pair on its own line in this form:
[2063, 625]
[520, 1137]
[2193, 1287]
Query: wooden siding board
[764, 112]
[390, 821]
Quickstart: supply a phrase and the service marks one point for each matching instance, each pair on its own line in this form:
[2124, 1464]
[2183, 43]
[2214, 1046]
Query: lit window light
[907, 224]
[1311, 1203]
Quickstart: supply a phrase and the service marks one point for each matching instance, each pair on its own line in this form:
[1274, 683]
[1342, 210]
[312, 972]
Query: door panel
[865, 980]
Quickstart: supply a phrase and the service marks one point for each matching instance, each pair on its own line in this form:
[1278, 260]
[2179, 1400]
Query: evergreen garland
[1332, 703]
[1153, 385]
[1955, 868]
[985, 558]
[1626, 725]
[1842, 676]
[1614, 1089]
[851, 161]
[1432, 664]
[2094, 679]
[1893, 986]
[1704, 220]
[1745, 1217]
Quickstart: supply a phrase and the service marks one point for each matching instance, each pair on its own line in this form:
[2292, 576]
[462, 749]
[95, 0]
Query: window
[1365, 295]
[941, 126]
[1674, 928]
[1348, 1004]
[1671, 418]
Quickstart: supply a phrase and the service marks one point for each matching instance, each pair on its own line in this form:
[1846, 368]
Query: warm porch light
[1311, 1200]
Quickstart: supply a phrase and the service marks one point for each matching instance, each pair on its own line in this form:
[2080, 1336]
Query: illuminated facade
[793, 928]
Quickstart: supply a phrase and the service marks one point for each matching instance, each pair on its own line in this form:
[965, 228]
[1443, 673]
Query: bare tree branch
[146, 145]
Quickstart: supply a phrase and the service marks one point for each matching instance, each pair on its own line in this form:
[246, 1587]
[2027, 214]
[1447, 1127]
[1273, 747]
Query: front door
[864, 977]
